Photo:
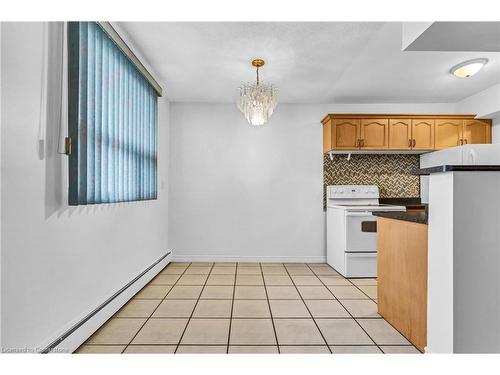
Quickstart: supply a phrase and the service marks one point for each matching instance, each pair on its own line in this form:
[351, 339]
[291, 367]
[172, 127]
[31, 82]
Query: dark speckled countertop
[418, 211]
[419, 217]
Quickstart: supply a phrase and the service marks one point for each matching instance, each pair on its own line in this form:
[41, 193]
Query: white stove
[351, 238]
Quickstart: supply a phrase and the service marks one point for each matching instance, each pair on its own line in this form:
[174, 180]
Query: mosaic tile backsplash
[394, 174]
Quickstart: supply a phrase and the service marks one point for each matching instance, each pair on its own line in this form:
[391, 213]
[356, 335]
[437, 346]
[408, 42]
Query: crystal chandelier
[257, 100]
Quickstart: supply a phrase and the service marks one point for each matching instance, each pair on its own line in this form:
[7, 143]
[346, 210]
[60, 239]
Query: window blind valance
[112, 121]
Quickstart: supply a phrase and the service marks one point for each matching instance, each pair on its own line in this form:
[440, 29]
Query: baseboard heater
[66, 334]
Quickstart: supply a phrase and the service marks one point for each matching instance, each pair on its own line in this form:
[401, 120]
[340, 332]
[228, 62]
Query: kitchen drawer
[361, 264]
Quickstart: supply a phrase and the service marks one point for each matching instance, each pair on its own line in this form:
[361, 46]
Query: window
[112, 119]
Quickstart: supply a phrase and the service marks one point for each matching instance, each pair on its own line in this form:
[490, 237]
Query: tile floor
[250, 308]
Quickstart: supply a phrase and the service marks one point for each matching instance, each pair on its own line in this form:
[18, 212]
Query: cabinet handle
[409, 142]
[362, 143]
[414, 142]
[461, 141]
[465, 140]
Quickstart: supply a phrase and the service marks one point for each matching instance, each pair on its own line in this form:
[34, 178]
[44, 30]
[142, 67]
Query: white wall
[242, 193]
[495, 130]
[59, 263]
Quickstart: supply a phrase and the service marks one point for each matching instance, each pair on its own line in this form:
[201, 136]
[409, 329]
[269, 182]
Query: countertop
[459, 168]
[419, 217]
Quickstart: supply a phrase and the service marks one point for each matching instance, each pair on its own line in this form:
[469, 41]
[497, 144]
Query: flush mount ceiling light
[468, 68]
[258, 100]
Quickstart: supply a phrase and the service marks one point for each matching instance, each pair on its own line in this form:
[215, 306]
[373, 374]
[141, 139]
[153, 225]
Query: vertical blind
[112, 120]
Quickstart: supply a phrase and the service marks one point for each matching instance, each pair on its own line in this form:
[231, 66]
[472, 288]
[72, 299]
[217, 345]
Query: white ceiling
[347, 62]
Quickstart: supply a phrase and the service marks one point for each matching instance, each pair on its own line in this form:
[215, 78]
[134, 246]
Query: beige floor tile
[382, 332]
[192, 280]
[253, 349]
[217, 292]
[326, 309]
[173, 270]
[288, 309]
[346, 292]
[249, 280]
[153, 292]
[324, 271]
[399, 349]
[370, 290]
[220, 280]
[160, 331]
[202, 349]
[315, 292]
[116, 331]
[282, 292]
[300, 271]
[185, 292]
[361, 308]
[223, 270]
[277, 280]
[363, 281]
[334, 280]
[186, 264]
[202, 264]
[306, 280]
[206, 331]
[293, 264]
[252, 332]
[272, 265]
[310, 349]
[248, 264]
[343, 332]
[249, 271]
[249, 292]
[251, 309]
[225, 264]
[138, 308]
[279, 271]
[355, 349]
[100, 349]
[175, 308]
[197, 270]
[213, 309]
[297, 332]
[163, 279]
[150, 349]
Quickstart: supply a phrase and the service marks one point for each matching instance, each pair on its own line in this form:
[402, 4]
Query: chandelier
[257, 100]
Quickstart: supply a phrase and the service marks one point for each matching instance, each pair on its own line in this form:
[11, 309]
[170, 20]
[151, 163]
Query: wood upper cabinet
[345, 134]
[327, 136]
[404, 132]
[447, 133]
[400, 134]
[374, 134]
[476, 131]
[422, 134]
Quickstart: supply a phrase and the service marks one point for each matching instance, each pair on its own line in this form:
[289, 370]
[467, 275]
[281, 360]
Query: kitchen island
[402, 272]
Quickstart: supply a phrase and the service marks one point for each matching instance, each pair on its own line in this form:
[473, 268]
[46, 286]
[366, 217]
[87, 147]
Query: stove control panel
[352, 192]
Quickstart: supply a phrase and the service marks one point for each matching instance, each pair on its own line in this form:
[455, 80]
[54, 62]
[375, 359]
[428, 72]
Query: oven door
[361, 232]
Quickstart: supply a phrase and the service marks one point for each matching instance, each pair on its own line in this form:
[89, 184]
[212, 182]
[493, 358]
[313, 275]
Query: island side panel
[402, 277]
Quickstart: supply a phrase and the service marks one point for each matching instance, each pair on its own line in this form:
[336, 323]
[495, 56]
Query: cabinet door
[345, 134]
[374, 134]
[399, 134]
[422, 134]
[327, 136]
[447, 133]
[477, 131]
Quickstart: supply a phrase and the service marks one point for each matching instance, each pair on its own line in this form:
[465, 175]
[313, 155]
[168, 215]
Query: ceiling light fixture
[257, 101]
[468, 68]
